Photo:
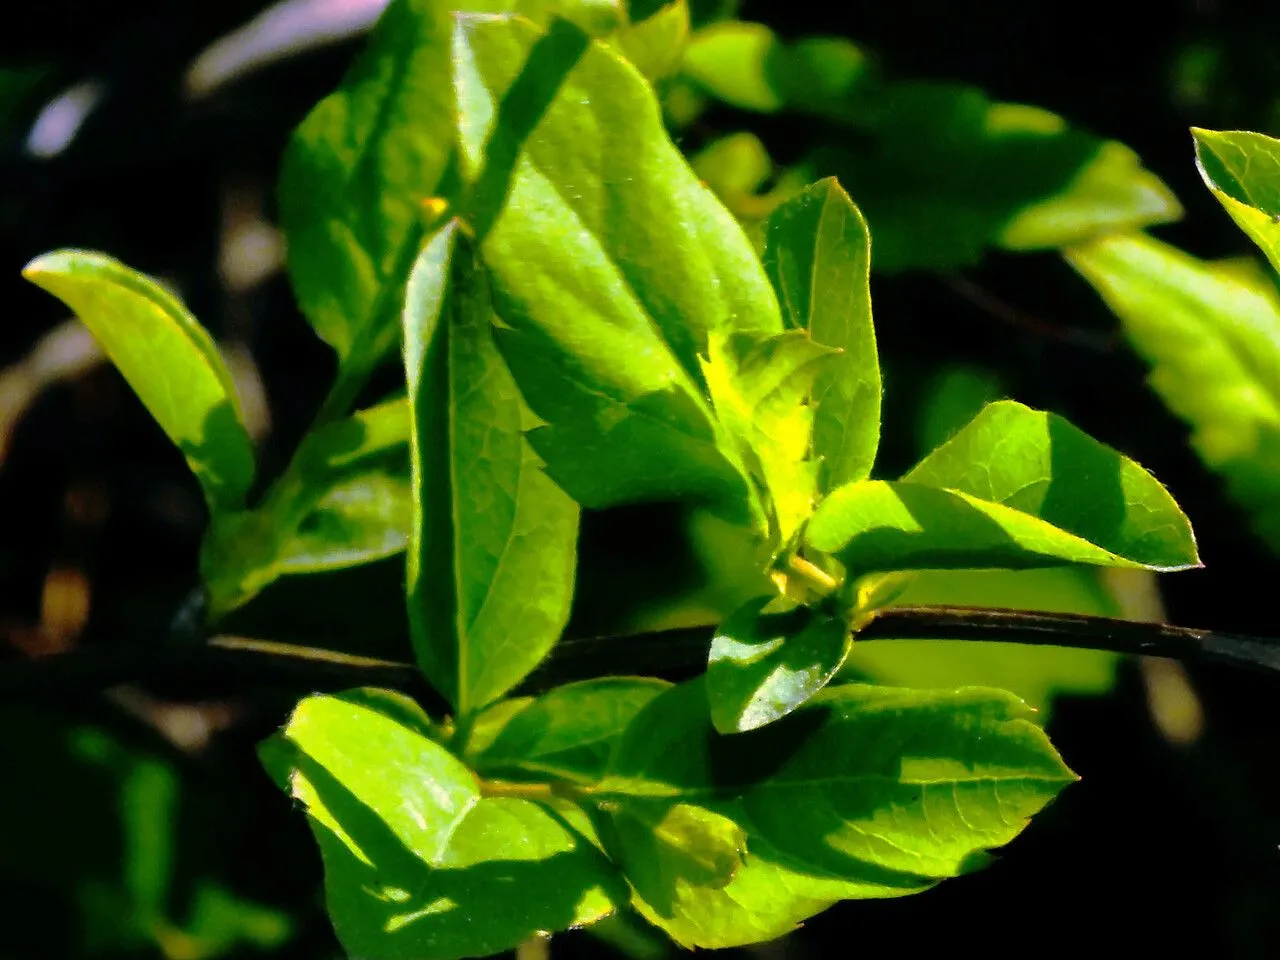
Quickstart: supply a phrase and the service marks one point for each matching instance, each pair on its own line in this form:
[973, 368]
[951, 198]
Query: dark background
[1168, 848]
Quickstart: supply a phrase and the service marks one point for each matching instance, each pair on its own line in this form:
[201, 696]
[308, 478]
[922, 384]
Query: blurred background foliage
[979, 138]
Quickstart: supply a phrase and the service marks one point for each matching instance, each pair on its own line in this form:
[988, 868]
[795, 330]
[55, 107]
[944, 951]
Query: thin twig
[245, 665]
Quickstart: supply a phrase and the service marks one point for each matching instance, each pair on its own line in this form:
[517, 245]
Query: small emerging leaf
[491, 564]
[1242, 170]
[760, 390]
[168, 358]
[763, 667]
[818, 255]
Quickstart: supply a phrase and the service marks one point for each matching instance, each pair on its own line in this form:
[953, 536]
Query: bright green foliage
[354, 473]
[357, 172]
[345, 501]
[835, 797]
[763, 667]
[941, 171]
[818, 254]
[1016, 488]
[168, 358]
[413, 853]
[1243, 171]
[492, 558]
[568, 733]
[584, 324]
[759, 389]
[563, 139]
[1212, 337]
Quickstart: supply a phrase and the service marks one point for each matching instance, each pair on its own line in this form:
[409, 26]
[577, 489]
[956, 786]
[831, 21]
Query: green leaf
[875, 785]
[168, 358]
[491, 564]
[561, 137]
[569, 732]
[729, 60]
[413, 854]
[670, 853]
[357, 175]
[878, 525]
[345, 501]
[655, 45]
[760, 390]
[763, 667]
[1041, 465]
[1243, 171]
[1210, 336]
[818, 255]
[746, 65]
[945, 172]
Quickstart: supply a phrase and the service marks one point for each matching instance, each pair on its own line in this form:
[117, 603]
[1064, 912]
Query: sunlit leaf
[559, 137]
[874, 785]
[818, 256]
[168, 358]
[412, 852]
[1242, 170]
[491, 564]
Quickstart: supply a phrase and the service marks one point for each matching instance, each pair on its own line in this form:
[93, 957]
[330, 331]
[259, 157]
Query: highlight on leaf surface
[762, 667]
[1016, 488]
[413, 853]
[168, 359]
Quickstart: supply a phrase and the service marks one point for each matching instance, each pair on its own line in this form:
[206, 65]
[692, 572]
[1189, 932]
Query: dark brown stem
[243, 665]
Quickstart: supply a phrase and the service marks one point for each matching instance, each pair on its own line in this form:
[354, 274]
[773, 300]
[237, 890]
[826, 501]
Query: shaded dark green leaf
[570, 732]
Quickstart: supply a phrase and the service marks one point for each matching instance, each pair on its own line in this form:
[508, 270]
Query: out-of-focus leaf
[1212, 338]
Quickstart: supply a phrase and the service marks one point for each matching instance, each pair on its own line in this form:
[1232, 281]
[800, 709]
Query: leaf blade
[168, 358]
[1242, 170]
[412, 852]
[1040, 464]
[483, 509]
[563, 137]
[762, 668]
